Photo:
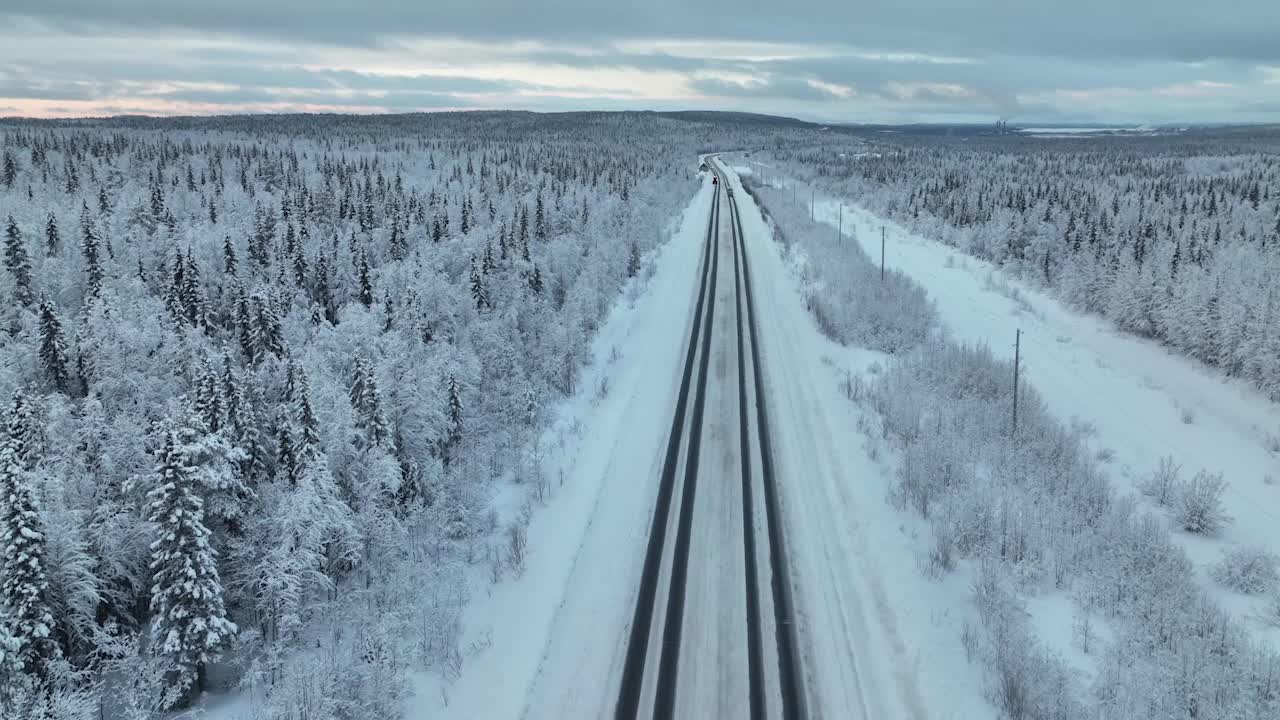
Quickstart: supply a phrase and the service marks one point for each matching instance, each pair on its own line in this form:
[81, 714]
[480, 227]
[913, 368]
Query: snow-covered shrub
[1199, 508]
[1250, 570]
[1162, 485]
[942, 557]
[1027, 682]
[846, 295]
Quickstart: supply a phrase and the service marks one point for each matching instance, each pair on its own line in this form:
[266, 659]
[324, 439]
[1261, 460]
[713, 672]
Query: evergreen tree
[211, 400]
[287, 463]
[230, 264]
[266, 334]
[10, 170]
[304, 412]
[366, 400]
[18, 262]
[53, 347]
[540, 220]
[25, 611]
[174, 300]
[322, 293]
[189, 622]
[70, 175]
[487, 265]
[90, 248]
[26, 427]
[366, 281]
[244, 325]
[535, 280]
[453, 436]
[478, 292]
[192, 292]
[242, 427]
[52, 239]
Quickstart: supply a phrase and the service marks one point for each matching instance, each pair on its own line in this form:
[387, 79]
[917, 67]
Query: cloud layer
[1173, 61]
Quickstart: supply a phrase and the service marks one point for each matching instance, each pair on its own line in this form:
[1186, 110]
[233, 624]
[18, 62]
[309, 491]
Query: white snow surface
[1145, 402]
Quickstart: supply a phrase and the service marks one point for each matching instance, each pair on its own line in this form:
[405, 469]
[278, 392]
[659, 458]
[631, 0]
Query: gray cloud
[934, 59]
[1171, 30]
[778, 88]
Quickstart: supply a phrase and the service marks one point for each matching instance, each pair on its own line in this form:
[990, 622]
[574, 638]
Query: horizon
[1017, 124]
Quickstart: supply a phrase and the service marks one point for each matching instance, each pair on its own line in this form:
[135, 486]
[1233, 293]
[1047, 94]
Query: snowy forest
[263, 380]
[261, 375]
[1171, 236]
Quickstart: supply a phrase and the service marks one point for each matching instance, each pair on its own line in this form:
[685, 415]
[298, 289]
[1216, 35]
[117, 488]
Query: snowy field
[1144, 402]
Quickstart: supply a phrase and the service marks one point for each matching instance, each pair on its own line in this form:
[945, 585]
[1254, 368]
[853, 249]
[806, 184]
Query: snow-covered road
[856, 664]
[704, 636]
[588, 555]
[713, 631]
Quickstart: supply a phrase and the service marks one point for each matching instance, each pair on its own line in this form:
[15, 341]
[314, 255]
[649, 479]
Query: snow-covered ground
[563, 621]
[1145, 402]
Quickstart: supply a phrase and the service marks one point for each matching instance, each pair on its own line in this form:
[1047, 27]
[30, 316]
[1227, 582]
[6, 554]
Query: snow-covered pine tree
[524, 229]
[540, 219]
[478, 293]
[26, 427]
[90, 248]
[453, 436]
[230, 263]
[287, 465]
[18, 262]
[52, 238]
[53, 347]
[211, 402]
[10, 170]
[366, 400]
[242, 426]
[189, 623]
[487, 265]
[535, 280]
[24, 606]
[266, 335]
[366, 281]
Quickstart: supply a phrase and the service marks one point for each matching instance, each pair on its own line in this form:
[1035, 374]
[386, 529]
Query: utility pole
[1017, 361]
[882, 254]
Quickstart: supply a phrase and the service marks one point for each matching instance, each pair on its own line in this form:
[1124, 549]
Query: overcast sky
[1031, 61]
